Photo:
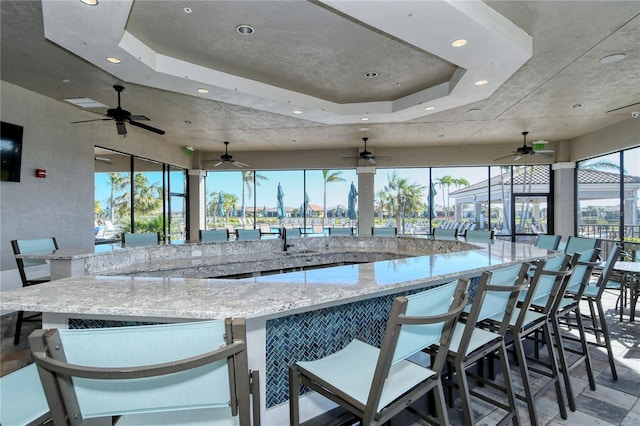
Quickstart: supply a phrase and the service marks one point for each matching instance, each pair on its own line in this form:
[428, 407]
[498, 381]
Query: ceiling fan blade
[103, 160]
[218, 163]
[122, 130]
[139, 118]
[144, 126]
[519, 156]
[506, 156]
[95, 119]
[239, 164]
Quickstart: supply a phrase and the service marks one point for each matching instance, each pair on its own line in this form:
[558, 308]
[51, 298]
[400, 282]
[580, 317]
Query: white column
[366, 199]
[197, 202]
[564, 218]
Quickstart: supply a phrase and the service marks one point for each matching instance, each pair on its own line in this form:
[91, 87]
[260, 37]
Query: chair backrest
[545, 285]
[144, 369]
[607, 269]
[292, 232]
[384, 232]
[139, 239]
[317, 229]
[22, 399]
[212, 235]
[416, 322]
[549, 242]
[341, 231]
[248, 234]
[445, 232]
[579, 244]
[35, 246]
[581, 274]
[478, 235]
[495, 297]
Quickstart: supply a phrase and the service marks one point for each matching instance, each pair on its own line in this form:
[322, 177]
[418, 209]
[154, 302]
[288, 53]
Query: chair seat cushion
[198, 417]
[352, 368]
[22, 399]
[479, 338]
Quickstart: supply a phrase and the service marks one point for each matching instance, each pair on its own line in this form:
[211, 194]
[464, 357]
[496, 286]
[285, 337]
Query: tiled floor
[612, 403]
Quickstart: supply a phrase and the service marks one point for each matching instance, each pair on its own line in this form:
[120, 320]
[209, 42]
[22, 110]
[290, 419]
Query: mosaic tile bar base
[313, 335]
[75, 323]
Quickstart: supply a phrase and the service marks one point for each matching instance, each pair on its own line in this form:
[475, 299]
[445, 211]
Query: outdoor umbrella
[307, 209]
[233, 210]
[220, 206]
[264, 211]
[351, 210]
[337, 212]
[432, 197]
[280, 203]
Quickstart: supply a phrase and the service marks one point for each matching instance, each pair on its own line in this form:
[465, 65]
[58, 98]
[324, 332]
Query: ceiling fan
[121, 116]
[527, 150]
[226, 158]
[103, 160]
[367, 155]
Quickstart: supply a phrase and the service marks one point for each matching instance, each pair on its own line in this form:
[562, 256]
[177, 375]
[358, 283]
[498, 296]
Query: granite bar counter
[290, 316]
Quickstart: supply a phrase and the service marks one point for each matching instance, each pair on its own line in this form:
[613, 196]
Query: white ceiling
[539, 61]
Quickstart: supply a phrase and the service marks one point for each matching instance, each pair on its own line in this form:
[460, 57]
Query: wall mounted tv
[10, 151]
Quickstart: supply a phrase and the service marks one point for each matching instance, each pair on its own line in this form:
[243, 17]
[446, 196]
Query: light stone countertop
[267, 296]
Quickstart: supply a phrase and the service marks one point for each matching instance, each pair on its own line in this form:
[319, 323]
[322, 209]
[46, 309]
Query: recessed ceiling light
[203, 90]
[429, 108]
[481, 82]
[297, 111]
[113, 60]
[396, 85]
[578, 105]
[365, 119]
[459, 42]
[187, 10]
[90, 2]
[371, 74]
[245, 29]
[613, 58]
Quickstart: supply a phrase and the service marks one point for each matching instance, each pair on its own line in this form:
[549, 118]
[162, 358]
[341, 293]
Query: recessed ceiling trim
[500, 49]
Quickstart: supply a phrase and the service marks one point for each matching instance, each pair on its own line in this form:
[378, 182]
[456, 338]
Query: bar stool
[496, 296]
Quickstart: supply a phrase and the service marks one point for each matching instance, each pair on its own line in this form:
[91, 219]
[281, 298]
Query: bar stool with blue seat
[375, 384]
[496, 296]
[187, 374]
[566, 308]
[30, 272]
[526, 323]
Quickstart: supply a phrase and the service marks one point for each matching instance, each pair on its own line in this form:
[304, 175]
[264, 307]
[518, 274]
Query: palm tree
[381, 197]
[444, 183]
[328, 177]
[403, 197]
[118, 183]
[247, 181]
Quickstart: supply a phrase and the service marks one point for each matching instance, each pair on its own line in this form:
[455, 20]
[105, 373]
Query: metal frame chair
[526, 323]
[564, 306]
[34, 246]
[375, 384]
[580, 244]
[158, 374]
[496, 295]
[592, 294]
[384, 232]
[213, 235]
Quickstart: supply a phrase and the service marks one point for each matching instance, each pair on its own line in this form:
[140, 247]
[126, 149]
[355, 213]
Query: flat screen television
[10, 151]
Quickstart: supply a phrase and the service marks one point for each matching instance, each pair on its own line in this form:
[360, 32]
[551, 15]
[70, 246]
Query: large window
[607, 205]
[157, 193]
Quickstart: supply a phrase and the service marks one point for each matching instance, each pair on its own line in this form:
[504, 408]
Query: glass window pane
[224, 192]
[177, 206]
[112, 200]
[328, 192]
[632, 201]
[464, 194]
[500, 196]
[599, 197]
[292, 190]
[401, 199]
[148, 196]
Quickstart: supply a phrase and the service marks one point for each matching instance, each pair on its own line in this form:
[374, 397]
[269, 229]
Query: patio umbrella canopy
[220, 206]
[351, 210]
[307, 209]
[280, 203]
[432, 197]
[233, 210]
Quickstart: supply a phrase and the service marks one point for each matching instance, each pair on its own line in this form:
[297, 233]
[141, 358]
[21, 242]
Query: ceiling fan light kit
[226, 158]
[368, 155]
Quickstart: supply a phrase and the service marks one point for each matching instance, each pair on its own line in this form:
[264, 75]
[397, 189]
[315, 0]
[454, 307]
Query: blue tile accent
[313, 335]
[77, 323]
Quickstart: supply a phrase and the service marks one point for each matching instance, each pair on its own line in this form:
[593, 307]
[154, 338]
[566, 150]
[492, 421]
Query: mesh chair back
[545, 284]
[341, 231]
[587, 260]
[36, 246]
[212, 235]
[118, 352]
[607, 269]
[549, 242]
[140, 239]
[445, 232]
[579, 244]
[384, 232]
[248, 234]
[292, 232]
[478, 235]
[496, 301]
